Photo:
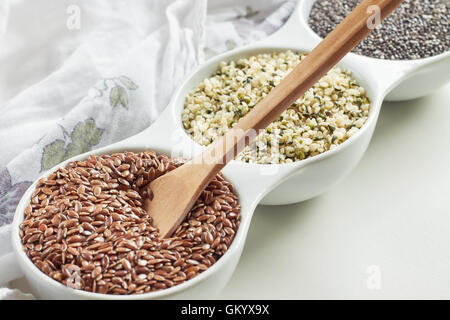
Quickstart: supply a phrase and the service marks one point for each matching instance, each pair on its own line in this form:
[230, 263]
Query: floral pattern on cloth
[10, 194]
[84, 136]
[68, 138]
[117, 87]
[248, 24]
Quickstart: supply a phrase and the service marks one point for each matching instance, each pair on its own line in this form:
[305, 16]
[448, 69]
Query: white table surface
[382, 233]
[387, 223]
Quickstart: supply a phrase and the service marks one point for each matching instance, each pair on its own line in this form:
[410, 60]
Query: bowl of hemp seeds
[329, 113]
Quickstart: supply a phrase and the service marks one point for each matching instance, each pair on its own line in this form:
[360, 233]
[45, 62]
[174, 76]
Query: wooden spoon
[174, 193]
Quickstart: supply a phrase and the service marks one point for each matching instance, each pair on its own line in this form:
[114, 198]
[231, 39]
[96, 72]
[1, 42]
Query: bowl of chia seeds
[415, 38]
[417, 29]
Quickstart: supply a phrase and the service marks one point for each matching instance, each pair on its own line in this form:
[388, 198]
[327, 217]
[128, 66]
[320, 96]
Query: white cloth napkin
[79, 75]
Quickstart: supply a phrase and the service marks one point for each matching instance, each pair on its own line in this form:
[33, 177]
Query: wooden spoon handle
[176, 191]
[352, 30]
[317, 63]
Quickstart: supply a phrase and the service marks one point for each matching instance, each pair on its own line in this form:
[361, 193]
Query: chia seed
[416, 29]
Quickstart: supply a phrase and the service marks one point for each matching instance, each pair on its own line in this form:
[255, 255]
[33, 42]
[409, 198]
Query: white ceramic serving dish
[267, 184]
